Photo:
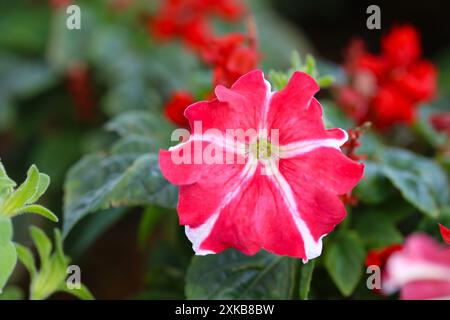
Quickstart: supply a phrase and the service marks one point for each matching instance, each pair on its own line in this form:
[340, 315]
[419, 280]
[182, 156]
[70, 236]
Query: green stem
[306, 274]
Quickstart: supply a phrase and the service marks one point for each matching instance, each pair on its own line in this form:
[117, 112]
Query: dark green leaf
[344, 260]
[233, 275]
[100, 182]
[421, 181]
[377, 230]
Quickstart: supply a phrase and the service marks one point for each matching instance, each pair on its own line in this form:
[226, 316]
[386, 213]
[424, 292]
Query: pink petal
[256, 218]
[422, 264]
[323, 168]
[235, 108]
[421, 290]
[197, 164]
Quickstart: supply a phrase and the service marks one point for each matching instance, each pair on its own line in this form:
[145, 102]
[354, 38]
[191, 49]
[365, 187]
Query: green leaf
[374, 188]
[24, 193]
[142, 124]
[377, 230]
[12, 293]
[26, 258]
[8, 255]
[306, 274]
[82, 293]
[6, 184]
[42, 186]
[99, 182]
[42, 243]
[344, 260]
[233, 275]
[37, 209]
[421, 181]
[6, 230]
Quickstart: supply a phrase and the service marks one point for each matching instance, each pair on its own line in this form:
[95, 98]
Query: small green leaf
[344, 260]
[26, 258]
[82, 293]
[37, 209]
[325, 81]
[233, 275]
[24, 193]
[42, 243]
[44, 182]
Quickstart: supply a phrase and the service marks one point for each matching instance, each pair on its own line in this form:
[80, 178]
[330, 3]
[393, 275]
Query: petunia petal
[293, 114]
[324, 168]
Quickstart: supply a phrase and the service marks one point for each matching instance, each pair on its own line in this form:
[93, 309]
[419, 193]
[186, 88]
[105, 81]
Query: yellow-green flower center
[261, 149]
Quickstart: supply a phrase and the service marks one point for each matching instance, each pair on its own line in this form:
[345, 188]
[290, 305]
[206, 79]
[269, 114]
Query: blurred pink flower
[421, 270]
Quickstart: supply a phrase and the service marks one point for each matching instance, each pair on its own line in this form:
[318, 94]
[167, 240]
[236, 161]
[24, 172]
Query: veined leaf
[344, 260]
[100, 182]
[233, 275]
[421, 181]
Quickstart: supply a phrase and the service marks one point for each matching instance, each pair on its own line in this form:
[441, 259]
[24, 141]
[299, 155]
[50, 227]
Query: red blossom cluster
[387, 88]
[380, 257]
[175, 107]
[229, 56]
[189, 20]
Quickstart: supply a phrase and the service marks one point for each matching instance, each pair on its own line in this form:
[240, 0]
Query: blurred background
[59, 87]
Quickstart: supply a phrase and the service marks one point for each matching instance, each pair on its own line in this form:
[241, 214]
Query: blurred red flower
[445, 233]
[387, 88]
[174, 109]
[189, 19]
[401, 46]
[231, 56]
[380, 257]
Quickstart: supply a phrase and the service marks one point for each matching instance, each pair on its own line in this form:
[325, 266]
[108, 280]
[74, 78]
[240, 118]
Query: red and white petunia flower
[279, 191]
[421, 270]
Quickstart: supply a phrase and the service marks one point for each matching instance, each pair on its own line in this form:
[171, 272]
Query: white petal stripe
[312, 248]
[294, 149]
[199, 234]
